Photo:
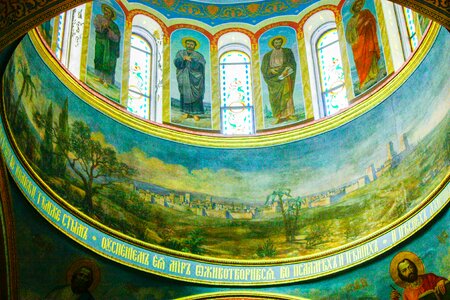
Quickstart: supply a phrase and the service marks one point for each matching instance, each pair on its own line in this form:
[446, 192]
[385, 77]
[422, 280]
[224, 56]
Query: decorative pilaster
[166, 80]
[256, 86]
[384, 37]
[215, 85]
[345, 64]
[126, 60]
[85, 41]
[309, 113]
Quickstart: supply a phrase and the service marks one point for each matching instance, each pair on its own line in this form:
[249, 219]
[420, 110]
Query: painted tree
[95, 165]
[62, 138]
[47, 143]
[28, 89]
[290, 210]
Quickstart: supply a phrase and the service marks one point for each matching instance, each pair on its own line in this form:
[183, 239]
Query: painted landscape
[283, 201]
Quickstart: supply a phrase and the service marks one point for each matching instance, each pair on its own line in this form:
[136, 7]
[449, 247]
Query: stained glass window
[411, 28]
[334, 94]
[236, 93]
[140, 76]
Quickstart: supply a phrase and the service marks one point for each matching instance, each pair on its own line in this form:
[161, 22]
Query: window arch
[329, 74]
[67, 43]
[236, 99]
[142, 74]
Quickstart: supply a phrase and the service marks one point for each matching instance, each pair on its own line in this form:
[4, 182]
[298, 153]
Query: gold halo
[283, 38]
[106, 6]
[183, 41]
[352, 7]
[85, 262]
[400, 257]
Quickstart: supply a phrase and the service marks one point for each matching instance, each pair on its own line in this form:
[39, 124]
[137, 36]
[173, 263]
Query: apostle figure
[190, 66]
[279, 69]
[361, 34]
[407, 271]
[107, 45]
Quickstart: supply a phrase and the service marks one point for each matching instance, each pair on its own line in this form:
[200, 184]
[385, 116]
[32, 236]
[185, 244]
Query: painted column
[166, 80]
[126, 60]
[384, 37]
[256, 87]
[309, 112]
[85, 43]
[215, 86]
[345, 64]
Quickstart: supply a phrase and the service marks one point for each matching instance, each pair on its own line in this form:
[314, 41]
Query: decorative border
[240, 295]
[265, 139]
[194, 268]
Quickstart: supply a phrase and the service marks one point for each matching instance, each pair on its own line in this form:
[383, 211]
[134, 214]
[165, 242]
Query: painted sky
[306, 166]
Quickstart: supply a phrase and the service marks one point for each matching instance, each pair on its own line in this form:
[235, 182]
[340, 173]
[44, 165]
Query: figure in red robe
[416, 285]
[361, 34]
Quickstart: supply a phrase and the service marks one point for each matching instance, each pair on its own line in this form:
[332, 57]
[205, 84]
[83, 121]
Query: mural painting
[105, 49]
[41, 247]
[364, 44]
[190, 79]
[282, 88]
[283, 201]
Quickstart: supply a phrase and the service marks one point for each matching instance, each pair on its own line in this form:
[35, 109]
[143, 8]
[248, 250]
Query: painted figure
[190, 66]
[407, 271]
[107, 45]
[361, 34]
[279, 69]
[80, 283]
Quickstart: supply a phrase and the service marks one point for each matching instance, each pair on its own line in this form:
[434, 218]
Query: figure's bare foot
[185, 116]
[277, 121]
[98, 79]
[293, 118]
[196, 118]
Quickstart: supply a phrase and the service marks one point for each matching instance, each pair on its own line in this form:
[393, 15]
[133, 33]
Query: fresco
[40, 247]
[105, 49]
[285, 201]
[281, 82]
[190, 79]
[365, 50]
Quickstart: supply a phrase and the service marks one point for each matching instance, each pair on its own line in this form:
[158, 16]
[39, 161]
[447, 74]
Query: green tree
[47, 143]
[96, 166]
[28, 89]
[62, 137]
[290, 210]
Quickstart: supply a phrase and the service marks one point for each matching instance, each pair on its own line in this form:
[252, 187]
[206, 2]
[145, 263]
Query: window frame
[151, 41]
[245, 50]
[315, 37]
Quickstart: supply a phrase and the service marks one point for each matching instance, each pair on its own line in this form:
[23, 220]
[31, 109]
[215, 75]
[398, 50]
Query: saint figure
[407, 271]
[190, 66]
[107, 45]
[361, 34]
[279, 70]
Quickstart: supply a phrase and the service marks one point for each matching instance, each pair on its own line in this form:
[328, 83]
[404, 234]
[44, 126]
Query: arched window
[69, 35]
[237, 112]
[328, 69]
[140, 78]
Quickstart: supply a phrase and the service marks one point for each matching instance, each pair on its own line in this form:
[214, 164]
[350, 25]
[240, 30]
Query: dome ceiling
[216, 12]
